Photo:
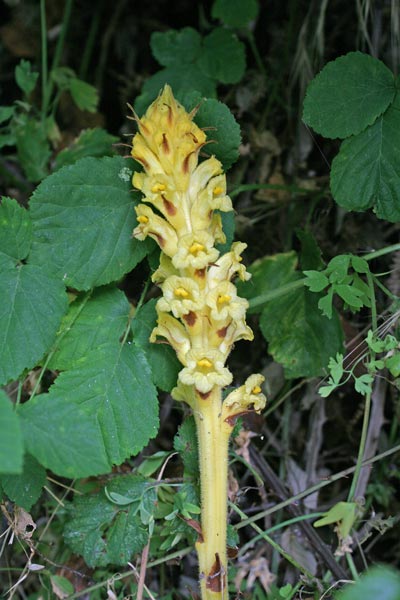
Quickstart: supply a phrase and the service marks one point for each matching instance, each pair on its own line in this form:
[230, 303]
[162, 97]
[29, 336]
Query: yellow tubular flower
[199, 313]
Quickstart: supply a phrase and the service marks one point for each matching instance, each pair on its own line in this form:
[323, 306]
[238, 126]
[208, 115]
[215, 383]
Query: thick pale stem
[213, 435]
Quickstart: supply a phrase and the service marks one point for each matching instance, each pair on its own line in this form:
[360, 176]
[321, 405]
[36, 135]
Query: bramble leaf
[29, 319]
[365, 172]
[63, 437]
[224, 129]
[83, 216]
[235, 13]
[11, 443]
[105, 533]
[24, 489]
[348, 95]
[223, 56]
[91, 322]
[113, 385]
[15, 233]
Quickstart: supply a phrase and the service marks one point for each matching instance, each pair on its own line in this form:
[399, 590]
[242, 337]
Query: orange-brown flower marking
[200, 313]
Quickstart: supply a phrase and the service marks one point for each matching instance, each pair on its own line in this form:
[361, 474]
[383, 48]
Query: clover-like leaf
[235, 13]
[174, 47]
[223, 56]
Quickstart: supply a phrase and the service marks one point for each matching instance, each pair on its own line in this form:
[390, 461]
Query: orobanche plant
[200, 313]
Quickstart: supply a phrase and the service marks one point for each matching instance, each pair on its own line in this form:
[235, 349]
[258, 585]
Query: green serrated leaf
[91, 142]
[360, 265]
[338, 267]
[326, 390]
[11, 443]
[15, 233]
[162, 358]
[91, 321]
[33, 149]
[363, 384]
[351, 295]
[63, 437]
[379, 582]
[181, 78]
[25, 489]
[85, 96]
[223, 56]
[364, 174]
[104, 533]
[235, 13]
[83, 216]
[348, 95]
[393, 364]
[316, 281]
[225, 131]
[185, 442]
[325, 304]
[342, 513]
[292, 321]
[24, 76]
[112, 384]
[29, 319]
[176, 47]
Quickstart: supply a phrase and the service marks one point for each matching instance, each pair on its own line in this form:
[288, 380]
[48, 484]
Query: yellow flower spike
[156, 227]
[247, 397]
[225, 303]
[174, 332]
[195, 251]
[199, 313]
[205, 369]
[181, 295]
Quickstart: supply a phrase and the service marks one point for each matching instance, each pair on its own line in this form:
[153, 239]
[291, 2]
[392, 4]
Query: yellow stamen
[204, 363]
[143, 219]
[218, 190]
[256, 390]
[223, 298]
[180, 292]
[196, 247]
[158, 187]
